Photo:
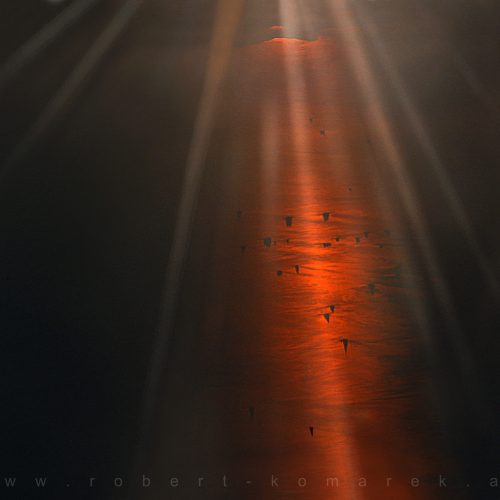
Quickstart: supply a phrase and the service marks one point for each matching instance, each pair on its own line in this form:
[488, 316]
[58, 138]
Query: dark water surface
[383, 114]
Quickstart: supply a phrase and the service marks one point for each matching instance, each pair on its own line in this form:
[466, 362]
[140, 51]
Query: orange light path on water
[308, 324]
[303, 175]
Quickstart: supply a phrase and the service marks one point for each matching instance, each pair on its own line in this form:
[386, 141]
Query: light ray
[43, 38]
[432, 156]
[392, 157]
[228, 14]
[68, 91]
[293, 19]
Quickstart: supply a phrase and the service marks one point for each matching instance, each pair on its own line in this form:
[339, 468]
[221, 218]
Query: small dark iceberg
[345, 343]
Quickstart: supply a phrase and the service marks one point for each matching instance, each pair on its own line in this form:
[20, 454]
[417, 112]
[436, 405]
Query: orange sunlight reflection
[331, 302]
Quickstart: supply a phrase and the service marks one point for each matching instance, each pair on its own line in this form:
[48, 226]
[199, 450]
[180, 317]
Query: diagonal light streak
[431, 154]
[227, 18]
[68, 91]
[33, 47]
[390, 152]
